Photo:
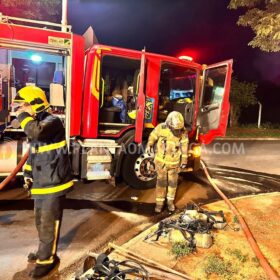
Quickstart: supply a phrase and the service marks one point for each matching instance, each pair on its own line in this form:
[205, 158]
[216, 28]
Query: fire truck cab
[108, 98]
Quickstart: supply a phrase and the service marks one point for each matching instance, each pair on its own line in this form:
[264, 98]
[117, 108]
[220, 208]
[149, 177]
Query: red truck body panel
[19, 33]
[91, 100]
[77, 85]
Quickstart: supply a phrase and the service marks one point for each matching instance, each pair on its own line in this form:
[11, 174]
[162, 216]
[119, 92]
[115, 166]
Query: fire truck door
[214, 101]
[140, 109]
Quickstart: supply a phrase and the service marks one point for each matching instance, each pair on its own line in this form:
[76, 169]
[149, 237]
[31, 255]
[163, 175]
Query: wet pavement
[254, 155]
[97, 213]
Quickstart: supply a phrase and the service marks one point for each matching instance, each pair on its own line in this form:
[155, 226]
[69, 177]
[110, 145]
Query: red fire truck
[109, 99]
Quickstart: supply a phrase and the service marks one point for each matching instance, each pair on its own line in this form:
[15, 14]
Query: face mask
[177, 132]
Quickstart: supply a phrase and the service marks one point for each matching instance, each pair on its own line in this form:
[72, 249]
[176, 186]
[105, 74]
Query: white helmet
[175, 121]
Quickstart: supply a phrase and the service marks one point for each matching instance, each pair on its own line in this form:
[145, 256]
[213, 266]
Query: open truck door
[214, 101]
[141, 100]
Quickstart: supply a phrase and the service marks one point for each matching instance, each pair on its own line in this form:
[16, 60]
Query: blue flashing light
[36, 58]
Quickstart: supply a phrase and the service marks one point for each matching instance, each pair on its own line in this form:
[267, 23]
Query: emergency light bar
[186, 57]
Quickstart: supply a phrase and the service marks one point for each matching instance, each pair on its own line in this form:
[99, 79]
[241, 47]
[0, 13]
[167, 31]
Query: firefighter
[171, 141]
[47, 173]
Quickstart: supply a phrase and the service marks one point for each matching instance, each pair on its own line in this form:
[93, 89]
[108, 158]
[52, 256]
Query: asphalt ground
[254, 155]
[97, 213]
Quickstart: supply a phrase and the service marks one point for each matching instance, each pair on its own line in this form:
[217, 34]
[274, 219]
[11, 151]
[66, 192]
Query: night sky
[204, 29]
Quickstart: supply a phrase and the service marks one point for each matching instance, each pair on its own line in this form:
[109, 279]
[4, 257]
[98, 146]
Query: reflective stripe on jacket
[48, 162]
[171, 151]
[27, 168]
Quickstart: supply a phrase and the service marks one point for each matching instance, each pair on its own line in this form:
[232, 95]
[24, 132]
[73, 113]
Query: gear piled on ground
[106, 269]
[193, 227]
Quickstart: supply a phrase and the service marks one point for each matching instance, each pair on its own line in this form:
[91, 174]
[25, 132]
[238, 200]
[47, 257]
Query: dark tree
[242, 95]
[263, 16]
[46, 10]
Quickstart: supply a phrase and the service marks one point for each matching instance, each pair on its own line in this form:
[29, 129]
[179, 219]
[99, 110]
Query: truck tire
[129, 174]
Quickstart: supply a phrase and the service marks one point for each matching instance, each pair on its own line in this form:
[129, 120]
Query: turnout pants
[48, 216]
[167, 181]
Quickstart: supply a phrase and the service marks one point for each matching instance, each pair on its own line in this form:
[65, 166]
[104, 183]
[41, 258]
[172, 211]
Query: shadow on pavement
[231, 169]
[6, 219]
[265, 182]
[141, 208]
[24, 274]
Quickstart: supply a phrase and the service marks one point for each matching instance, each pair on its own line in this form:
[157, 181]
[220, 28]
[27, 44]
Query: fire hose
[15, 171]
[246, 230]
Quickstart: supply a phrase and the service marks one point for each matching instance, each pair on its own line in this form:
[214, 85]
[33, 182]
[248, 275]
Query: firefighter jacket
[171, 151]
[48, 163]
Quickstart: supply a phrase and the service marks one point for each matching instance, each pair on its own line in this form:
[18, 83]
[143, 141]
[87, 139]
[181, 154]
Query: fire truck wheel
[136, 171]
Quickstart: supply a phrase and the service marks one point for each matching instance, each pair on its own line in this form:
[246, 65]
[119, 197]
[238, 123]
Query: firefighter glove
[28, 182]
[149, 150]
[183, 166]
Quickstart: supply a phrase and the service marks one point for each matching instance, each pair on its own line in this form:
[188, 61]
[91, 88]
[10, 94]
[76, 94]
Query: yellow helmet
[132, 114]
[35, 96]
[175, 121]
[184, 100]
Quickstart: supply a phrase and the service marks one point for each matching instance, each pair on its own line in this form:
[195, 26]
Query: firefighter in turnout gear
[171, 154]
[47, 173]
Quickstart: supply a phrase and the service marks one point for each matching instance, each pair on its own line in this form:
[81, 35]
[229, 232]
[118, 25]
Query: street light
[260, 114]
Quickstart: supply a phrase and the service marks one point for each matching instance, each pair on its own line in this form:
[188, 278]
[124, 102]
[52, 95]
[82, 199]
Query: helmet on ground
[34, 96]
[175, 121]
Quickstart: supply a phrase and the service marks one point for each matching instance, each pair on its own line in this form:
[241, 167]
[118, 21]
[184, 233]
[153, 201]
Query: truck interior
[177, 92]
[119, 80]
[20, 68]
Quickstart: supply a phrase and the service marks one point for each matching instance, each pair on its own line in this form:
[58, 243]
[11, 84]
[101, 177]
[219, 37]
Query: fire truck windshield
[176, 89]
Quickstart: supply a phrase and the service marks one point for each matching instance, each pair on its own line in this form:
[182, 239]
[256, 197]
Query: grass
[266, 131]
[216, 265]
[233, 264]
[238, 254]
[180, 249]
[256, 261]
[235, 220]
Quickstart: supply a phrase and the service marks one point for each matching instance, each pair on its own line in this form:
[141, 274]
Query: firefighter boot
[159, 206]
[160, 198]
[42, 270]
[170, 205]
[171, 192]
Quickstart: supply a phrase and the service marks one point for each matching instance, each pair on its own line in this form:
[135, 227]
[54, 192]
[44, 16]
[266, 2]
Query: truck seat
[110, 115]
[186, 109]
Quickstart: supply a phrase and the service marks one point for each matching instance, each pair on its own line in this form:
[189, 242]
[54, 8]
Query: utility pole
[260, 114]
